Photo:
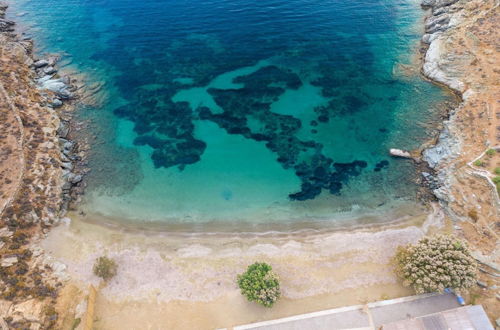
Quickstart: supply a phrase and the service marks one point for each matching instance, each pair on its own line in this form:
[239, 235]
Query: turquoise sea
[245, 112]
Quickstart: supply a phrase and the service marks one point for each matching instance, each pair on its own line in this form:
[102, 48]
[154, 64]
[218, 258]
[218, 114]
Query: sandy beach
[194, 275]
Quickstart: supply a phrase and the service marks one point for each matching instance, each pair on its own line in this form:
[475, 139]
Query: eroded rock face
[443, 66]
[442, 63]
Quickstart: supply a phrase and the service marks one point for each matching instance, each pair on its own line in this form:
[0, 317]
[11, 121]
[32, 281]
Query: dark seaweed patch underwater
[267, 111]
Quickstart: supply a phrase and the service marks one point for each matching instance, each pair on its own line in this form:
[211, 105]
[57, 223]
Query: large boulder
[55, 85]
[49, 70]
[40, 64]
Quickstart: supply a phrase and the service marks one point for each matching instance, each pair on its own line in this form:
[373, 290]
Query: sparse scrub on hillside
[478, 163]
[490, 152]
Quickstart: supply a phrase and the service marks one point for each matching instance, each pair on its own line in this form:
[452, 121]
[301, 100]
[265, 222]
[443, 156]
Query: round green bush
[436, 263]
[260, 284]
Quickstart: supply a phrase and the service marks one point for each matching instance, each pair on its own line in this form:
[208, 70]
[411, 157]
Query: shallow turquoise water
[230, 111]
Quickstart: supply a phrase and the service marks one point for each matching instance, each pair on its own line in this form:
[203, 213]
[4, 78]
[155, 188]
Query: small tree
[105, 268]
[260, 284]
[436, 263]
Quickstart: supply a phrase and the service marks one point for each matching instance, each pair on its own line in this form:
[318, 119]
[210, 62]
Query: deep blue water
[259, 111]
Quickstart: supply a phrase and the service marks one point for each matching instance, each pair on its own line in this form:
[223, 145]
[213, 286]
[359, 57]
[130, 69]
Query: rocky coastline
[448, 65]
[39, 176]
[462, 50]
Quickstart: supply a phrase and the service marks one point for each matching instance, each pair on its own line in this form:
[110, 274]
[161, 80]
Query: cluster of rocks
[5, 24]
[59, 90]
[431, 181]
[71, 176]
[439, 67]
[55, 91]
[440, 19]
[60, 86]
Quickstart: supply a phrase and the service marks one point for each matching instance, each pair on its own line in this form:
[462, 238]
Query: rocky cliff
[463, 54]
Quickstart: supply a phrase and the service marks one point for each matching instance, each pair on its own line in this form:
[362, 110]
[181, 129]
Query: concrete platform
[426, 312]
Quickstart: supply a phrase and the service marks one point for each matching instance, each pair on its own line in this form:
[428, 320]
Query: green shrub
[490, 152]
[105, 268]
[260, 284]
[497, 170]
[478, 163]
[496, 181]
[436, 263]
